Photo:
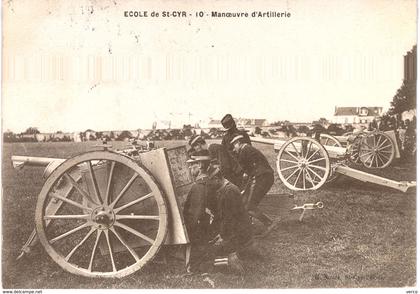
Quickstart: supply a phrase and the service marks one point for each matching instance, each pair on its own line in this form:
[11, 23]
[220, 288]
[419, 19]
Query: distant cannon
[303, 163]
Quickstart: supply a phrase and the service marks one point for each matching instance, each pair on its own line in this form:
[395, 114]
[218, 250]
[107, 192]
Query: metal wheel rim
[157, 195]
[376, 150]
[301, 164]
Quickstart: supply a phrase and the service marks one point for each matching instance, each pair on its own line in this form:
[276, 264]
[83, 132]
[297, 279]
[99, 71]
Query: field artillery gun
[304, 163]
[106, 214]
[373, 149]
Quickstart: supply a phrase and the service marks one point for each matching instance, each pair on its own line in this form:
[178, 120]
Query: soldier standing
[230, 167]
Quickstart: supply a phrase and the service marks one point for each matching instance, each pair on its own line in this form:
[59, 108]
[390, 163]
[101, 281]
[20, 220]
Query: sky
[74, 65]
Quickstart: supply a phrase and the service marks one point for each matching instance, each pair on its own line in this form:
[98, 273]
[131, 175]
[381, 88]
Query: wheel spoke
[376, 160]
[367, 158]
[133, 202]
[76, 229]
[314, 173]
[304, 180]
[98, 235]
[124, 190]
[290, 161]
[366, 154]
[384, 151]
[292, 174]
[310, 178]
[377, 144]
[70, 216]
[64, 199]
[79, 188]
[80, 244]
[297, 152]
[291, 155]
[134, 232]
[318, 167]
[148, 217]
[114, 269]
[315, 152]
[309, 148]
[297, 178]
[387, 146]
[380, 158]
[133, 253]
[382, 143]
[289, 167]
[94, 182]
[108, 186]
[316, 160]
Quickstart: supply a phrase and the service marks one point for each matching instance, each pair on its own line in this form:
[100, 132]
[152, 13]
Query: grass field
[365, 236]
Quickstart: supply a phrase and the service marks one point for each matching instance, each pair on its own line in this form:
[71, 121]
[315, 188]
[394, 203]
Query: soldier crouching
[233, 227]
[199, 207]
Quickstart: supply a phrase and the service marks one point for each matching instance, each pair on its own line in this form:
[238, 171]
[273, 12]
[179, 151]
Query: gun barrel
[19, 161]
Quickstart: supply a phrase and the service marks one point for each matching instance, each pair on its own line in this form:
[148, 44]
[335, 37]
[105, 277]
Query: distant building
[241, 123]
[43, 137]
[355, 115]
[215, 123]
[251, 122]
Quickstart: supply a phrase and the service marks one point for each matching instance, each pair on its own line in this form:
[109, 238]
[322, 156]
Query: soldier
[199, 207]
[230, 167]
[261, 178]
[234, 231]
[198, 146]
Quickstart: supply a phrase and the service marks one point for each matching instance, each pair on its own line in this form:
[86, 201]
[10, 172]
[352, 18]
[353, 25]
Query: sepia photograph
[238, 144]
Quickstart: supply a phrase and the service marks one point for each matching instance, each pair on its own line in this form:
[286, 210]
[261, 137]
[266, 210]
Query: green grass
[365, 236]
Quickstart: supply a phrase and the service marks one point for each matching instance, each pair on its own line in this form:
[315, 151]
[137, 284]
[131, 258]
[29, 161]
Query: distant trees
[124, 135]
[9, 137]
[31, 131]
[405, 98]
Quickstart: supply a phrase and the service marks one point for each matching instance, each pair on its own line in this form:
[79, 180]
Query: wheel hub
[302, 163]
[103, 217]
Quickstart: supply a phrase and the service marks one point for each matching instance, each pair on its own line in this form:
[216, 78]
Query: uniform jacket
[196, 217]
[235, 224]
[253, 162]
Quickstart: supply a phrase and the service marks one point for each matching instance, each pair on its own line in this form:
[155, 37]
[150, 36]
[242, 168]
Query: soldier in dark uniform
[199, 208]
[230, 167]
[234, 226]
[261, 178]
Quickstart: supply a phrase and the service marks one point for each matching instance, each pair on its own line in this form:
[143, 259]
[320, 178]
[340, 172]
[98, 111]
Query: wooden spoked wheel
[376, 150]
[328, 140]
[303, 164]
[111, 221]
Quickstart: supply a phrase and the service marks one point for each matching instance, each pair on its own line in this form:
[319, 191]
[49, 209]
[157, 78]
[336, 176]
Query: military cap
[228, 122]
[195, 140]
[198, 158]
